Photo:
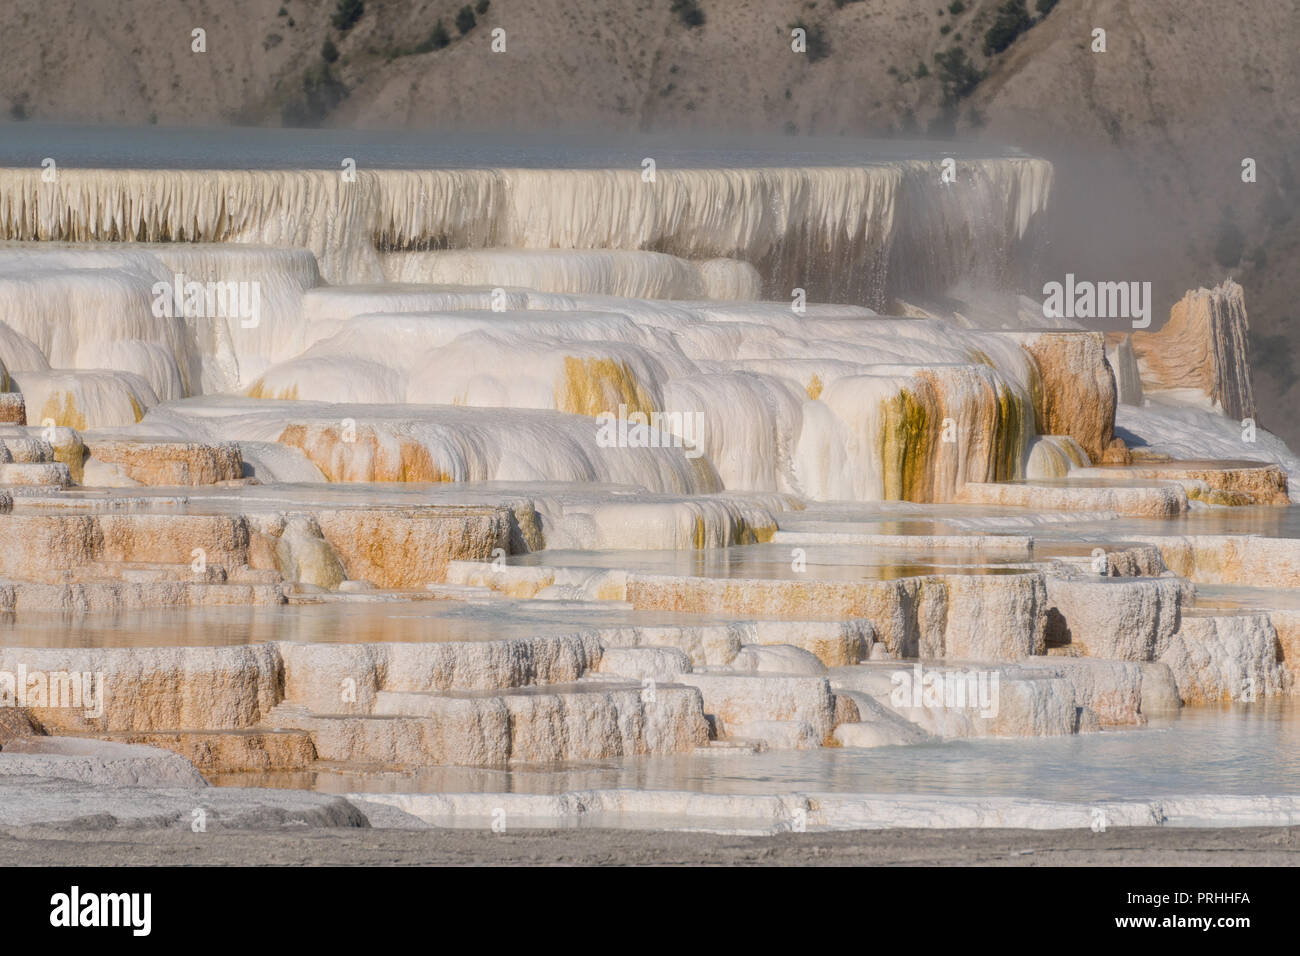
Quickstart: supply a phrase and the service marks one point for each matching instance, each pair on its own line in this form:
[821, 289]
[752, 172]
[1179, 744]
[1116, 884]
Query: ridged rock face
[1115, 618]
[637, 275]
[1224, 658]
[741, 705]
[1024, 701]
[148, 689]
[169, 463]
[403, 549]
[1120, 693]
[514, 728]
[119, 560]
[316, 673]
[1216, 483]
[1287, 625]
[1202, 351]
[1233, 559]
[923, 616]
[55, 542]
[1075, 388]
[13, 408]
[313, 210]
[920, 436]
[845, 219]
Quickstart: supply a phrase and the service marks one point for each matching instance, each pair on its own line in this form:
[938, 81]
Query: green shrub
[328, 51]
[689, 12]
[465, 20]
[437, 39]
[482, 7]
[818, 47]
[957, 74]
[1012, 20]
[346, 14]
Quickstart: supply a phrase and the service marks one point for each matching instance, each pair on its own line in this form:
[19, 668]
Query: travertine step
[1246, 559]
[640, 663]
[744, 705]
[25, 449]
[1214, 482]
[51, 474]
[89, 594]
[1155, 500]
[966, 616]
[13, 409]
[316, 675]
[21, 444]
[146, 572]
[231, 751]
[1115, 618]
[1223, 657]
[145, 689]
[165, 462]
[977, 700]
[55, 540]
[540, 725]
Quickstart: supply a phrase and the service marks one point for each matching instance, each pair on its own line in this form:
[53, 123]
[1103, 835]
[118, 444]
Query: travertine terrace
[498, 468]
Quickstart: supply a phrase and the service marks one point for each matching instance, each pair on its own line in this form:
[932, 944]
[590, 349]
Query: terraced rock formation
[493, 478]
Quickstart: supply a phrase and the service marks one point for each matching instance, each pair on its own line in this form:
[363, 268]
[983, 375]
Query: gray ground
[1253, 846]
[83, 802]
